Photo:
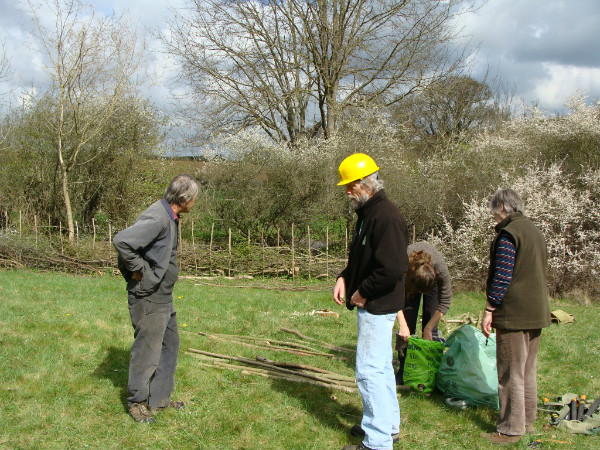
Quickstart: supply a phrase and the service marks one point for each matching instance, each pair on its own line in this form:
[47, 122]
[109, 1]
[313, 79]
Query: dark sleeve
[390, 258]
[132, 243]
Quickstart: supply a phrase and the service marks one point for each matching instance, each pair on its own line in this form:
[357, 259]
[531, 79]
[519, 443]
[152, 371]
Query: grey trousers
[516, 359]
[153, 353]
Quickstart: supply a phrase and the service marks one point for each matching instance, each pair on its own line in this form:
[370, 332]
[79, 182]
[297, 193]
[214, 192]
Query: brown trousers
[516, 359]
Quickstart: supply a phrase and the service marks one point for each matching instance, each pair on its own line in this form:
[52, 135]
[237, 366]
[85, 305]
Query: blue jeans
[376, 380]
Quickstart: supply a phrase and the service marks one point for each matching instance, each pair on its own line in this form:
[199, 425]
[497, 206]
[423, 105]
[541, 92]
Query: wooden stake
[309, 250]
[293, 256]
[212, 232]
[229, 239]
[62, 250]
[327, 252]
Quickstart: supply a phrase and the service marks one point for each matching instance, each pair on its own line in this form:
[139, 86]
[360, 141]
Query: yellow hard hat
[356, 167]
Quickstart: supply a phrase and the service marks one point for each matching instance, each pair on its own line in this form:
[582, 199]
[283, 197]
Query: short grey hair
[372, 182]
[182, 189]
[510, 199]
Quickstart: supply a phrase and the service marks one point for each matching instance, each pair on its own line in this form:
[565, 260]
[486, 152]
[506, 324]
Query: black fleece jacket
[378, 260]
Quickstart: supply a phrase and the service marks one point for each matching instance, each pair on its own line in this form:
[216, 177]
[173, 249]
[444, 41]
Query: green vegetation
[64, 352]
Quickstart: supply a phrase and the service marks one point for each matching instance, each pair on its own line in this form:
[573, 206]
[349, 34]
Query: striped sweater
[503, 268]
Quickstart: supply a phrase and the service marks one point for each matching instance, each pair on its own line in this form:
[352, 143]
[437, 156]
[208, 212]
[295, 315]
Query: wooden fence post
[293, 255]
[346, 242]
[76, 233]
[327, 252]
[229, 263]
[20, 229]
[278, 253]
[62, 250]
[309, 252]
[194, 249]
[212, 231]
[94, 232]
[262, 251]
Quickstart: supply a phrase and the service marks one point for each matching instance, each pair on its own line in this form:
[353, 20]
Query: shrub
[566, 215]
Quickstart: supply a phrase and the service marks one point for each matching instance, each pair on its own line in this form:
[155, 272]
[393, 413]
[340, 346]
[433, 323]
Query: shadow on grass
[115, 368]
[322, 403]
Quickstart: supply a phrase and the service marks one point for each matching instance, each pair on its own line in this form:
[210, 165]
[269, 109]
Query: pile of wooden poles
[296, 373]
[261, 366]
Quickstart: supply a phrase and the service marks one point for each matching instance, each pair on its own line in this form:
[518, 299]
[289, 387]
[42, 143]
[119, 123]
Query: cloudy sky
[543, 50]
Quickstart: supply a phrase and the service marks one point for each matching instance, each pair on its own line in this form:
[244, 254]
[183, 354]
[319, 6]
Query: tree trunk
[67, 199]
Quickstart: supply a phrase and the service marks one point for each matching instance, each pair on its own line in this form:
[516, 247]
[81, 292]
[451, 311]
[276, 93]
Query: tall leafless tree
[456, 107]
[292, 67]
[91, 62]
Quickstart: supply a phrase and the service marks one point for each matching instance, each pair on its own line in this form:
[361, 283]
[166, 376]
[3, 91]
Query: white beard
[356, 203]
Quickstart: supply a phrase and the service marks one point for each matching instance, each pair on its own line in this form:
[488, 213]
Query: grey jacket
[146, 246]
[442, 274]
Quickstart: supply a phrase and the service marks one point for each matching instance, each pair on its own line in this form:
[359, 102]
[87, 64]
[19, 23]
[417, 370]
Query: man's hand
[339, 291]
[137, 276]
[358, 300]
[403, 330]
[486, 324]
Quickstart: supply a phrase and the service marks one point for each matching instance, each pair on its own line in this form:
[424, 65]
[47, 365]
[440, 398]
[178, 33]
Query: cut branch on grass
[277, 348]
[276, 369]
[324, 344]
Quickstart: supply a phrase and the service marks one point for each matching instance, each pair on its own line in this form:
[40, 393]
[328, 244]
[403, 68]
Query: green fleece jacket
[525, 304]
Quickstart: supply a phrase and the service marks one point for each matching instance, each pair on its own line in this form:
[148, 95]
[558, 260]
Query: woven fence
[204, 249]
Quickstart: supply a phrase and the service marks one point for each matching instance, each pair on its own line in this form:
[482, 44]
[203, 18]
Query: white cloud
[565, 81]
[546, 49]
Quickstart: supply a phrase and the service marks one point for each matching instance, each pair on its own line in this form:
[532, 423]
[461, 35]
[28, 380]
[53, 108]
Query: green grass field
[64, 349]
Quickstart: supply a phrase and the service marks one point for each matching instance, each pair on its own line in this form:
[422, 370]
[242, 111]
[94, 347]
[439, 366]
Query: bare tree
[455, 107]
[293, 67]
[91, 62]
[4, 64]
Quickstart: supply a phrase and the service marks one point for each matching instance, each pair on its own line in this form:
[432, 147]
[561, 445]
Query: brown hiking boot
[141, 413]
[172, 404]
[500, 439]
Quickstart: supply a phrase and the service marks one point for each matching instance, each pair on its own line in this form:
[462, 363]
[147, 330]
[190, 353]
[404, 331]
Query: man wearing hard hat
[373, 281]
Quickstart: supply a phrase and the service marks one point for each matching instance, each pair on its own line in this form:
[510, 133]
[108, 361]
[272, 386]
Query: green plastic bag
[468, 368]
[421, 364]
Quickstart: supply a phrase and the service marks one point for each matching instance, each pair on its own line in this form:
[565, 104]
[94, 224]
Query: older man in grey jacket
[148, 261]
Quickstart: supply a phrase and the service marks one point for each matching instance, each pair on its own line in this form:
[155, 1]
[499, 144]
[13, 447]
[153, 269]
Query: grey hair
[182, 189]
[372, 182]
[510, 199]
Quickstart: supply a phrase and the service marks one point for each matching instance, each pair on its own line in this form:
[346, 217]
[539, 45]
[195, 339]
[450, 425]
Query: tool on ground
[591, 409]
[581, 407]
[573, 409]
